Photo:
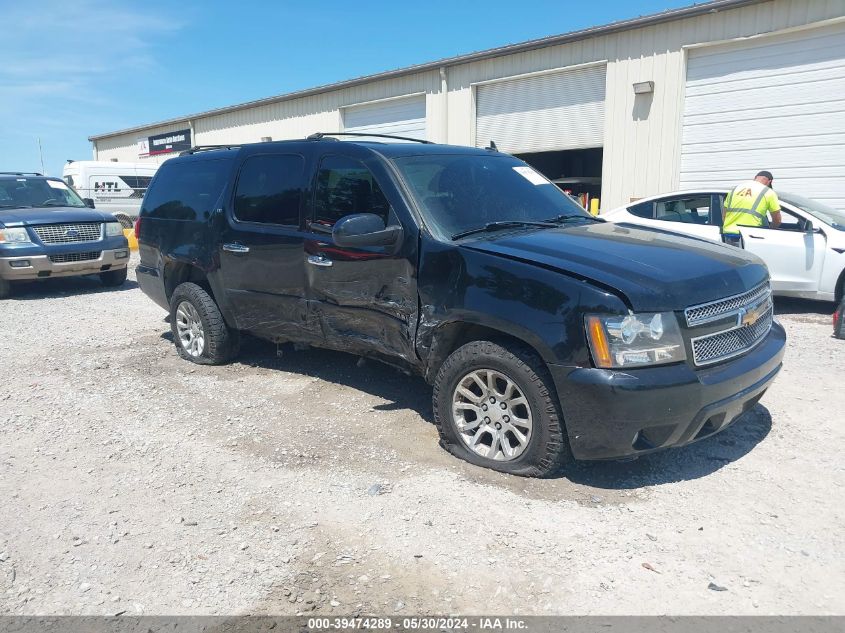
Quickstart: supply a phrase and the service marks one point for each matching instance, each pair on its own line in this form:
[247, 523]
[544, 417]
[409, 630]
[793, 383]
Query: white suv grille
[69, 233]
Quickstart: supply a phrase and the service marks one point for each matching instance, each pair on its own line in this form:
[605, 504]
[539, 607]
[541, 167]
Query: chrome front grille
[747, 316]
[75, 257]
[715, 310]
[69, 233]
[724, 345]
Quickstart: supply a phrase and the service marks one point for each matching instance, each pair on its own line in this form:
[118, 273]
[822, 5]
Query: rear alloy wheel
[199, 331]
[495, 406]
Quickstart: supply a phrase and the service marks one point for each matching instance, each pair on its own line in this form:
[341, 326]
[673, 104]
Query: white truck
[113, 187]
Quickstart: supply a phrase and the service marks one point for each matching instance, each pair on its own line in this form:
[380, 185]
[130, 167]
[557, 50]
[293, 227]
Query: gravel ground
[134, 482]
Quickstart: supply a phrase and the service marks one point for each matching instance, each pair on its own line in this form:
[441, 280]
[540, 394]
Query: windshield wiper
[566, 219]
[503, 224]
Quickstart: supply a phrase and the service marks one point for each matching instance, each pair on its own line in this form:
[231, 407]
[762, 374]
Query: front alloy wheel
[492, 415]
[495, 406]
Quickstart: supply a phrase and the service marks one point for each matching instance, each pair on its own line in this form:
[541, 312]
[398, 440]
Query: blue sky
[75, 68]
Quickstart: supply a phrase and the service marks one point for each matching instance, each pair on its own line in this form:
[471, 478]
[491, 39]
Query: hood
[655, 270]
[52, 215]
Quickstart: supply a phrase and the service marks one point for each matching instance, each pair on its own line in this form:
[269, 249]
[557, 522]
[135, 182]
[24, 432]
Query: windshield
[36, 192]
[826, 214]
[460, 192]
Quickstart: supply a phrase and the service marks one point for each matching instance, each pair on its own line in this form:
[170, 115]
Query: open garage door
[776, 103]
[555, 111]
[402, 117]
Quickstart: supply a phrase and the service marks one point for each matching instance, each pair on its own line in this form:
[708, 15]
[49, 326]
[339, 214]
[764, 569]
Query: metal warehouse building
[623, 111]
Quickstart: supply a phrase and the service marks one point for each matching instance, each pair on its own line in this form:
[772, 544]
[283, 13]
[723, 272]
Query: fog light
[20, 263]
[121, 254]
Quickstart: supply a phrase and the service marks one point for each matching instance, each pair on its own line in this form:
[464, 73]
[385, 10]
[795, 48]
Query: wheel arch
[177, 272]
[840, 287]
[449, 336]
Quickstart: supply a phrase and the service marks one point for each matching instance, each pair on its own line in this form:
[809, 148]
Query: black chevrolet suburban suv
[547, 334]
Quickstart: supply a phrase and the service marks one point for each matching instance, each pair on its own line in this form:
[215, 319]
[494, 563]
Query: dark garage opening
[576, 171]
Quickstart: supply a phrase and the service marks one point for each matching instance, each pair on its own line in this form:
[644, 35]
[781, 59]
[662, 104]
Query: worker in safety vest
[749, 204]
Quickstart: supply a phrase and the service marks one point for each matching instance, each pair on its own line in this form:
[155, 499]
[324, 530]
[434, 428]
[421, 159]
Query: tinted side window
[185, 191]
[642, 210]
[270, 189]
[695, 210]
[790, 221]
[346, 186]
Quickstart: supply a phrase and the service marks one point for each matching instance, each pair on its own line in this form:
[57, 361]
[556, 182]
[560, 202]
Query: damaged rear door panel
[261, 244]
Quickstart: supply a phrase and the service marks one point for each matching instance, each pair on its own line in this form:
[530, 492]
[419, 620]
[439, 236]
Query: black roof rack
[206, 148]
[316, 136]
[20, 173]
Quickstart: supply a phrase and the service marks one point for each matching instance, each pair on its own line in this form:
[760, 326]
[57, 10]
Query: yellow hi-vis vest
[747, 205]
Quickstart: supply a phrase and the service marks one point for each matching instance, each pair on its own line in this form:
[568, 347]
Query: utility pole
[41, 155]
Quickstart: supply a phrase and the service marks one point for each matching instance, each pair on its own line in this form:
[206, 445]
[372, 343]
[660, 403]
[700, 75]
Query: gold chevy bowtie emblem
[750, 316]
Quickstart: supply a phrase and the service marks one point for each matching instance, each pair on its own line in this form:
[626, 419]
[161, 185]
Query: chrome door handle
[236, 248]
[319, 260]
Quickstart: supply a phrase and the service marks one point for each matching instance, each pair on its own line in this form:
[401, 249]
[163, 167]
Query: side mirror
[809, 228]
[89, 202]
[364, 229]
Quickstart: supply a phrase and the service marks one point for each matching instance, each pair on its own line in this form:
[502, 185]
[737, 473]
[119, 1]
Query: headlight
[114, 229]
[14, 236]
[633, 340]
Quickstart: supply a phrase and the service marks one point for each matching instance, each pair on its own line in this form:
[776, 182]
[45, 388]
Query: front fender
[543, 308]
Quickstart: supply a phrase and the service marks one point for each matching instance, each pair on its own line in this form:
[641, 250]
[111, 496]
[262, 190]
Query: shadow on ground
[63, 287]
[790, 305]
[680, 464]
[401, 391]
[404, 392]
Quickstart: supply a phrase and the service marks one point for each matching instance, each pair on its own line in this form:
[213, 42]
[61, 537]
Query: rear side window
[345, 186]
[642, 210]
[185, 191]
[270, 188]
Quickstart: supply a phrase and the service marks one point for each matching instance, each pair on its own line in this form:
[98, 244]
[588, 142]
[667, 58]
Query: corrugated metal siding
[552, 111]
[641, 137]
[776, 103]
[400, 117]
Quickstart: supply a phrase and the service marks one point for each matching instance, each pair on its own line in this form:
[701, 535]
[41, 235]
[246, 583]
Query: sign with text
[177, 141]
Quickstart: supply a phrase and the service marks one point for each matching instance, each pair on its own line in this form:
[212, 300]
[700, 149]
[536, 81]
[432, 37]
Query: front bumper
[613, 414]
[24, 267]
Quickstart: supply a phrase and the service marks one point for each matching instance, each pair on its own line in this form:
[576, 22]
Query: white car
[805, 254]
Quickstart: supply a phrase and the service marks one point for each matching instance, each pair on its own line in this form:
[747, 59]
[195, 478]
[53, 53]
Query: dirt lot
[132, 481]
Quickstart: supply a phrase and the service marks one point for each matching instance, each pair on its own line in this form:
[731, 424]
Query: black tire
[5, 289]
[547, 451]
[839, 321]
[221, 343]
[114, 278]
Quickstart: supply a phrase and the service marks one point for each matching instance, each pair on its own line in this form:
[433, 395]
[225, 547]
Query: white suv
[805, 254]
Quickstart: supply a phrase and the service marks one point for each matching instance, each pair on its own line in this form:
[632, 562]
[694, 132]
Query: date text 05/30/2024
[418, 623]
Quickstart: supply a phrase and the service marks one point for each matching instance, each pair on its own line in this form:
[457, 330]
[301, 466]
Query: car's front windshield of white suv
[463, 194]
[23, 192]
[826, 214]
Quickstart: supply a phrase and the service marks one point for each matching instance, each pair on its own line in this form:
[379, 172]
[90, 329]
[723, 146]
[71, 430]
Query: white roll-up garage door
[557, 111]
[777, 103]
[402, 117]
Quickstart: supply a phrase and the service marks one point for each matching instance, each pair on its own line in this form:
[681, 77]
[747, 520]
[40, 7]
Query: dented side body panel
[462, 285]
